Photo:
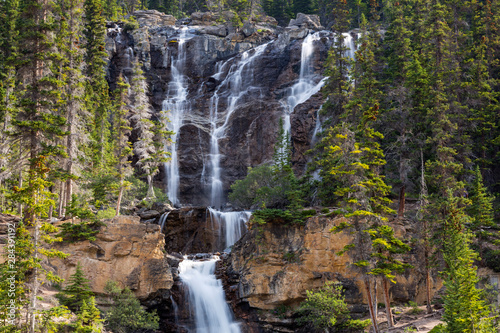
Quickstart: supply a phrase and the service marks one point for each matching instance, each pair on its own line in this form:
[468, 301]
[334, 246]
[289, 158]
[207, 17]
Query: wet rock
[149, 214]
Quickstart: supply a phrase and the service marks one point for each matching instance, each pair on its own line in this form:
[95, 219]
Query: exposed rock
[253, 126]
[125, 251]
[149, 214]
[306, 21]
[190, 230]
[151, 18]
[248, 29]
[276, 265]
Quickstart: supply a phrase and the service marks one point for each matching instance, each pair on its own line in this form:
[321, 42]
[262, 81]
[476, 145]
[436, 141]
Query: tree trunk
[428, 288]
[390, 320]
[61, 202]
[370, 304]
[375, 296]
[151, 192]
[119, 201]
[402, 198]
[34, 289]
[20, 205]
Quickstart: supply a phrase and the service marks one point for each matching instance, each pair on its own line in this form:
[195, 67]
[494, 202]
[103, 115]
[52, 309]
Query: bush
[127, 315]
[107, 213]
[82, 231]
[326, 309]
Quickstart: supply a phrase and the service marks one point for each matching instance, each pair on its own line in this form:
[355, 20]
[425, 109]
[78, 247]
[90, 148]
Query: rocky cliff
[237, 103]
[273, 265]
[125, 251]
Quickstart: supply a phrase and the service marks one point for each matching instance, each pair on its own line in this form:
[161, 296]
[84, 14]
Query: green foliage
[465, 309]
[105, 214]
[76, 292]
[414, 308]
[81, 231]
[88, 318]
[326, 309]
[127, 315]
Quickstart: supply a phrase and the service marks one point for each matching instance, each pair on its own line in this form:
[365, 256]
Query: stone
[125, 251]
[248, 29]
[264, 279]
[306, 21]
[151, 18]
[149, 214]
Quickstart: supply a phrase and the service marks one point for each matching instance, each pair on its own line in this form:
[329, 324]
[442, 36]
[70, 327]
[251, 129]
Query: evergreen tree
[96, 87]
[481, 211]
[464, 307]
[127, 315]
[121, 132]
[152, 136]
[77, 292]
[88, 318]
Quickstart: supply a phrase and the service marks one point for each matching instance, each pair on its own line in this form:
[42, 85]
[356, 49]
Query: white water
[350, 49]
[162, 220]
[306, 86]
[206, 297]
[232, 223]
[238, 81]
[176, 104]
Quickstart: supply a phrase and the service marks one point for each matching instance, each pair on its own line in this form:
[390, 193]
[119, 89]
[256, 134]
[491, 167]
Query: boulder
[306, 21]
[151, 18]
[248, 29]
[149, 214]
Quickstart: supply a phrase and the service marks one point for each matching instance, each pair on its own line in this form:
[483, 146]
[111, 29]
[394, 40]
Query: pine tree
[152, 136]
[464, 307]
[96, 87]
[68, 42]
[481, 211]
[121, 132]
[88, 318]
[77, 291]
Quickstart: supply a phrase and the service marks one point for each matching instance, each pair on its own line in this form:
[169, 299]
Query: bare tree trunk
[427, 283]
[20, 205]
[61, 201]
[151, 192]
[402, 198]
[370, 304]
[119, 201]
[34, 290]
[390, 319]
[375, 296]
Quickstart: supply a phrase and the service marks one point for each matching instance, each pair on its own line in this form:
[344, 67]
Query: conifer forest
[244, 166]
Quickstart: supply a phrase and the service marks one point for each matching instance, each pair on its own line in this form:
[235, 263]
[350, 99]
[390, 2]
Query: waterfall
[305, 87]
[206, 297]
[176, 104]
[162, 220]
[238, 82]
[233, 224]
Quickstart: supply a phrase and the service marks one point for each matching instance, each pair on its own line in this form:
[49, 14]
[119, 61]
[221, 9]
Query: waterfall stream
[305, 87]
[176, 104]
[206, 297]
[233, 224]
[238, 81]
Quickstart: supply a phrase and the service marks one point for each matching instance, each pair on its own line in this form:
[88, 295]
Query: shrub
[414, 308]
[76, 232]
[127, 315]
[326, 309]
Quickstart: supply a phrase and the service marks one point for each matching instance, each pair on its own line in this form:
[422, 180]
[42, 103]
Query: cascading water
[350, 49]
[233, 224]
[238, 81]
[206, 297]
[306, 86]
[176, 104]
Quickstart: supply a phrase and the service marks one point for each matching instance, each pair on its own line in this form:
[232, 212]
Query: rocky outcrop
[210, 47]
[273, 265]
[125, 251]
[153, 18]
[306, 21]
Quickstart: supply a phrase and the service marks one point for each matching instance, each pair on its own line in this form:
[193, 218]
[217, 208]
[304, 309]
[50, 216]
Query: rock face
[275, 265]
[211, 49]
[125, 251]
